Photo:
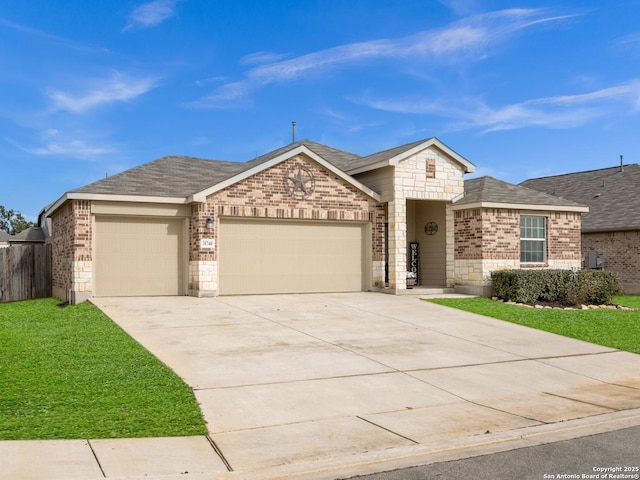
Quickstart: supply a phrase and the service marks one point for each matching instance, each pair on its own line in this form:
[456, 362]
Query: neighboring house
[611, 229]
[303, 218]
[29, 236]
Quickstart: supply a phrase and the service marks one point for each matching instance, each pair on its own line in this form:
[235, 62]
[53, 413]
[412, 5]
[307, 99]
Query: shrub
[556, 286]
[595, 287]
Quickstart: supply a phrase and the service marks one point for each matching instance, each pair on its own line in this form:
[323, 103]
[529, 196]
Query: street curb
[425, 454]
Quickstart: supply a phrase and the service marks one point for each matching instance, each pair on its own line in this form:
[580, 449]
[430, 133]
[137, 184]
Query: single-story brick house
[304, 218]
[611, 228]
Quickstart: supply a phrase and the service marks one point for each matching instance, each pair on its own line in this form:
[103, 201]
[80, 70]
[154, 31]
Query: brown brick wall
[621, 250]
[487, 233]
[502, 234]
[71, 241]
[563, 233]
[468, 234]
[494, 234]
[265, 195]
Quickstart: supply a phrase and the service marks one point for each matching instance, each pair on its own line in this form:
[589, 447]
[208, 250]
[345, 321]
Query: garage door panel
[271, 256]
[139, 256]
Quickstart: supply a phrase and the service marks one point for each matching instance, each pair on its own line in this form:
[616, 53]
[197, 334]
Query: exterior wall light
[209, 223]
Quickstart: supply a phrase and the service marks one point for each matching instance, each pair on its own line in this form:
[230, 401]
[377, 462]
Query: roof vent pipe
[293, 132]
[621, 164]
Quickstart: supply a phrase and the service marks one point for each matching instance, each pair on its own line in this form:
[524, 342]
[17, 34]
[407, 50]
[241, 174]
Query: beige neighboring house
[304, 218]
[611, 229]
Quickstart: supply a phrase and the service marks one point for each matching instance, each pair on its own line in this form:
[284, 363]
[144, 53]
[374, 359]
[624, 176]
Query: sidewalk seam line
[219, 453]
[97, 460]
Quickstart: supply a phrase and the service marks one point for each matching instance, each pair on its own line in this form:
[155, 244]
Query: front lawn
[611, 328]
[72, 373]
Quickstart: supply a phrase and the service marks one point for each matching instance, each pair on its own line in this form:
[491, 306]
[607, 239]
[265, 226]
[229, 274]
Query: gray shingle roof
[613, 197]
[30, 235]
[179, 176]
[378, 157]
[490, 190]
[171, 176]
[4, 236]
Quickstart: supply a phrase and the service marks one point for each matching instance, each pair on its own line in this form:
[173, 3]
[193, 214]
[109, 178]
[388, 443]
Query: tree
[13, 222]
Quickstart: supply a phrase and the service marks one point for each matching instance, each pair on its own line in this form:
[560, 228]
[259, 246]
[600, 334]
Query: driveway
[294, 378]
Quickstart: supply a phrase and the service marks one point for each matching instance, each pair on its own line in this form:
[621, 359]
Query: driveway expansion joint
[218, 452]
[388, 430]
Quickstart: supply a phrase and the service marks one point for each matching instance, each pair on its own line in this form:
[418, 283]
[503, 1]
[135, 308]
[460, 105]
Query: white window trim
[543, 240]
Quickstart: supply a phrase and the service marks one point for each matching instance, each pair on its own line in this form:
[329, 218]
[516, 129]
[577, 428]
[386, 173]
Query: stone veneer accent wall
[488, 239]
[427, 175]
[72, 269]
[621, 251]
[264, 196]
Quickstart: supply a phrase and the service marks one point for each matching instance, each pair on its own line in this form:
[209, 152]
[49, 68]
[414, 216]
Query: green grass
[72, 373]
[611, 328]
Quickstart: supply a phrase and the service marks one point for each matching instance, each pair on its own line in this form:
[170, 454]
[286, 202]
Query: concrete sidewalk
[332, 385]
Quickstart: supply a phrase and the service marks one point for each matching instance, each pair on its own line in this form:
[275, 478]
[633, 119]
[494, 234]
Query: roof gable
[610, 193]
[269, 160]
[394, 155]
[490, 192]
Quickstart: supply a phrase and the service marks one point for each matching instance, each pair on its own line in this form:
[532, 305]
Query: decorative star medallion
[300, 183]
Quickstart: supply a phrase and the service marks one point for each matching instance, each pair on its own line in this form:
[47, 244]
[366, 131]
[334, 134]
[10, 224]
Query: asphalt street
[612, 455]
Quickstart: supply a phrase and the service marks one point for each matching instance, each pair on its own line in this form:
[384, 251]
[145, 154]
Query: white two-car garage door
[280, 256]
[138, 256]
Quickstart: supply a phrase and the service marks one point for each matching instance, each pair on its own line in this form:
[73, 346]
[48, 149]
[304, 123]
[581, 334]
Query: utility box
[594, 261]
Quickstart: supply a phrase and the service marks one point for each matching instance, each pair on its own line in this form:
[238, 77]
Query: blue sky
[520, 88]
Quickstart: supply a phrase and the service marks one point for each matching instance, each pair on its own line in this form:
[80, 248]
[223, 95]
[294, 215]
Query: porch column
[397, 211]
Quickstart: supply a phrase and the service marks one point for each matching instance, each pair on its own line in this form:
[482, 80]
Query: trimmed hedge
[594, 287]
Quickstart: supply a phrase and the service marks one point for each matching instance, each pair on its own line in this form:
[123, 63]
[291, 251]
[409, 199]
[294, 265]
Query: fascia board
[201, 197]
[368, 168]
[393, 161]
[112, 198]
[55, 205]
[630, 228]
[470, 167]
[520, 206]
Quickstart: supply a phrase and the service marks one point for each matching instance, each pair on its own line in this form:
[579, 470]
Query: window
[533, 239]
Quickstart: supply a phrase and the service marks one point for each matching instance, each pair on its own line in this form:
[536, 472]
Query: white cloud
[48, 37]
[151, 13]
[116, 88]
[468, 39]
[223, 96]
[261, 57]
[564, 111]
[73, 148]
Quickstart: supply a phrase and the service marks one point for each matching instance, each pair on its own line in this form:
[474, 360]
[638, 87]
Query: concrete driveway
[295, 378]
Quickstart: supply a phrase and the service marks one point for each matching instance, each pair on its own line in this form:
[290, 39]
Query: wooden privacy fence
[25, 272]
